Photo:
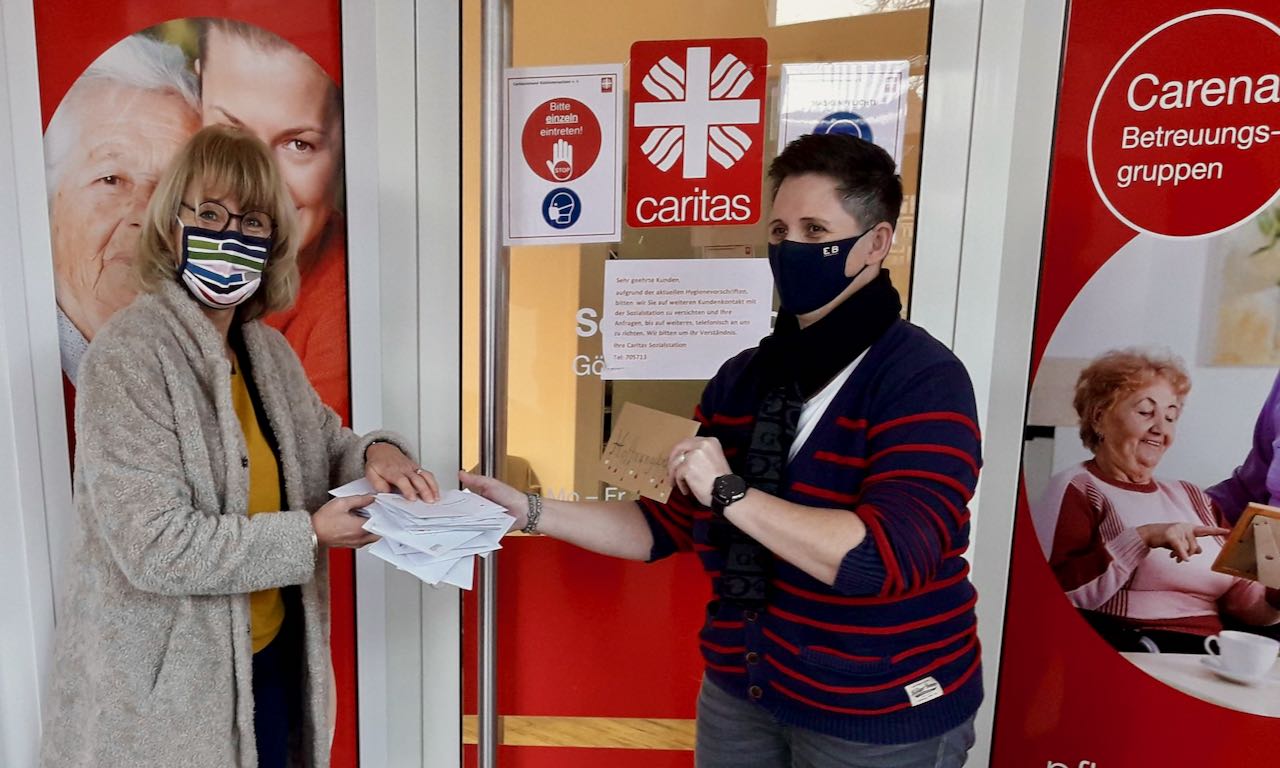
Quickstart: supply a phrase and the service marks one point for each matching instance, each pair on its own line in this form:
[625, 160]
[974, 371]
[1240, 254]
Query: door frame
[994, 70]
[34, 463]
[402, 70]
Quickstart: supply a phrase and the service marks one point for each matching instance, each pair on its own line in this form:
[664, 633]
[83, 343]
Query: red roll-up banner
[1151, 417]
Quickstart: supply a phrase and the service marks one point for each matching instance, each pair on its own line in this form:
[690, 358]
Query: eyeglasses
[214, 215]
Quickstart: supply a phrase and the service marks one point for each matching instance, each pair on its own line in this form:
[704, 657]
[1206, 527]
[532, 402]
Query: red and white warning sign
[696, 135]
[563, 167]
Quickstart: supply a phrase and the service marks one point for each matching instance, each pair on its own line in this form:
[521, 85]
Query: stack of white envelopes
[435, 542]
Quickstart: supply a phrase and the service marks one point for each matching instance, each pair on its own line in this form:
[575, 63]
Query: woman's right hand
[337, 525]
[515, 502]
[1181, 539]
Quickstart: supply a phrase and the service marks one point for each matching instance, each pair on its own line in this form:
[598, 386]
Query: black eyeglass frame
[231, 216]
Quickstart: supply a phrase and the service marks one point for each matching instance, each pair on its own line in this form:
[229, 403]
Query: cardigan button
[750, 615]
[753, 657]
[244, 462]
[755, 692]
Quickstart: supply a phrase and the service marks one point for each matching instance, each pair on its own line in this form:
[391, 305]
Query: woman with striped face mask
[224, 254]
[203, 526]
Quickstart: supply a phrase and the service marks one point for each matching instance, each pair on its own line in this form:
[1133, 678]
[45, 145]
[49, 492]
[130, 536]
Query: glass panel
[580, 634]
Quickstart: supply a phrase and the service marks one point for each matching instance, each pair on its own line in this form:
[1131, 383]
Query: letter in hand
[514, 501]
[337, 524]
[1181, 539]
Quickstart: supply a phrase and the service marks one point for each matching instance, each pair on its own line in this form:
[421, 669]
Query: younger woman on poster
[254, 79]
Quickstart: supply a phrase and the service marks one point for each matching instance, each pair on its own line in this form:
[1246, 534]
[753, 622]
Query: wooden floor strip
[598, 732]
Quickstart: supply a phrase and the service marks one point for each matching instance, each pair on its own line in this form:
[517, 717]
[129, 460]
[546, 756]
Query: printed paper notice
[670, 319]
[867, 99]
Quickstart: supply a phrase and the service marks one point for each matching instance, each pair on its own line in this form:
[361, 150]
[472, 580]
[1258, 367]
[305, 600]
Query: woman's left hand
[693, 466]
[386, 468]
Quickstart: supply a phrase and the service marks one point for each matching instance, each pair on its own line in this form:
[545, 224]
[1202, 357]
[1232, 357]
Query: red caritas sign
[696, 136]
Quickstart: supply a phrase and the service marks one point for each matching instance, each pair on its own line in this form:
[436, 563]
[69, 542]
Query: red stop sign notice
[561, 139]
[1184, 139]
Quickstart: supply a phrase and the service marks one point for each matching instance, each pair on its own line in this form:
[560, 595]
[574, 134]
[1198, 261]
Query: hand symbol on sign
[561, 162]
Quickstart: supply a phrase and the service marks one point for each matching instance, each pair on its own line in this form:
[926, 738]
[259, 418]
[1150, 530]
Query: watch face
[729, 488]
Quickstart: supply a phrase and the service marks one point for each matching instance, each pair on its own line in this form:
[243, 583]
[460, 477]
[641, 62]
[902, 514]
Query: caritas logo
[696, 137]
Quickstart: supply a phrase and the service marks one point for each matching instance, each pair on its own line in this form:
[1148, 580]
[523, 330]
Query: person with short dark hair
[826, 497]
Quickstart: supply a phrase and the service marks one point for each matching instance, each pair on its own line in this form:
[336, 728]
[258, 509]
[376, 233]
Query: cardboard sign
[635, 459]
[696, 136]
[1252, 550]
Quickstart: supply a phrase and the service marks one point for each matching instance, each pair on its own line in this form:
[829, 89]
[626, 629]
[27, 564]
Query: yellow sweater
[266, 608]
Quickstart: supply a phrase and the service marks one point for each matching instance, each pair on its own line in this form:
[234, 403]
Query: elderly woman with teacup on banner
[1101, 522]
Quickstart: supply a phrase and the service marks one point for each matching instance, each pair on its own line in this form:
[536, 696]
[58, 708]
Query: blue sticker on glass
[561, 208]
[850, 123]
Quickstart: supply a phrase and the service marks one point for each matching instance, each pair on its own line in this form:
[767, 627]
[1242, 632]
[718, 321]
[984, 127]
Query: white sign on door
[867, 99]
[563, 164]
[682, 318]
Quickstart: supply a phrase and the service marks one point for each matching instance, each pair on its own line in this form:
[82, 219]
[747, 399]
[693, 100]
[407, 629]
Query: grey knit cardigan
[153, 664]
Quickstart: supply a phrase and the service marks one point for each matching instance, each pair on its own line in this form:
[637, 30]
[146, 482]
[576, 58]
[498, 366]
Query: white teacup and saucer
[1241, 657]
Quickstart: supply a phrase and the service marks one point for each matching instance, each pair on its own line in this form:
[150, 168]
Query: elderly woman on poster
[1101, 522]
[107, 144]
[193, 628]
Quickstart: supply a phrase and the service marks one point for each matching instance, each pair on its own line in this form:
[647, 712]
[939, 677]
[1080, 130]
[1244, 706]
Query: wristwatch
[725, 491]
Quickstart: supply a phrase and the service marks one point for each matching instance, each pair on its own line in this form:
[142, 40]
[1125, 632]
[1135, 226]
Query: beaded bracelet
[535, 512]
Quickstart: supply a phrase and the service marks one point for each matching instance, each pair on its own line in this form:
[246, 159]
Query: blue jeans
[733, 733]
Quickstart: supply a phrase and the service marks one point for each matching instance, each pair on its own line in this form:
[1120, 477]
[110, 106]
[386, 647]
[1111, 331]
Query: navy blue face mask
[811, 275]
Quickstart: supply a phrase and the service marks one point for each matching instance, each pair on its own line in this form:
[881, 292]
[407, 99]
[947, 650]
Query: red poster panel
[1152, 415]
[696, 133]
[123, 84]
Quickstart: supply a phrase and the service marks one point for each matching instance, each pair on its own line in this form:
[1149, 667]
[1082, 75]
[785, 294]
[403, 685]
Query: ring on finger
[682, 458]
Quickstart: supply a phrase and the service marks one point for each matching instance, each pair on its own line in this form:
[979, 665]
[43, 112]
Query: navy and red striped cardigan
[899, 446]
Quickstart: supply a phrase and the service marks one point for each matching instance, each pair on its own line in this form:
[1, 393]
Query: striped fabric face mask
[222, 269]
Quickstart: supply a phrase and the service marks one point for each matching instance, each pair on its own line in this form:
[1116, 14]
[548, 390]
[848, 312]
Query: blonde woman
[194, 629]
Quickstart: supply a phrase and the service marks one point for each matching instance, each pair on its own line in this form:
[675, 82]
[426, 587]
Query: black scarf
[791, 366]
